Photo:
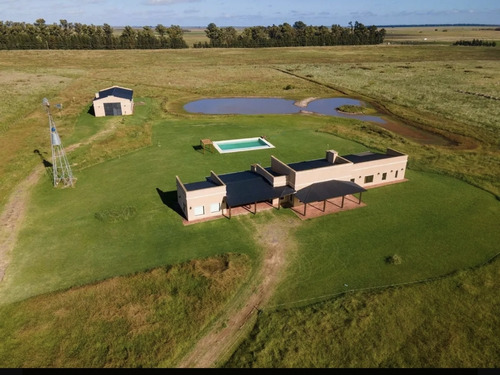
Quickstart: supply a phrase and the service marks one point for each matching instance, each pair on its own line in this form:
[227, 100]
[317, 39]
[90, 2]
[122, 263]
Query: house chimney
[331, 155]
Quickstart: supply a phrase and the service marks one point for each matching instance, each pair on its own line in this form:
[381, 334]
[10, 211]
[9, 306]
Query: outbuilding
[114, 101]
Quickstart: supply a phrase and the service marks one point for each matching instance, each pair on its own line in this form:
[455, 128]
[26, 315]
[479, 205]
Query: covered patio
[328, 197]
[247, 189]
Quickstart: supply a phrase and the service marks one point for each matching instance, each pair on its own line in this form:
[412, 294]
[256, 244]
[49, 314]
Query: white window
[215, 207]
[200, 210]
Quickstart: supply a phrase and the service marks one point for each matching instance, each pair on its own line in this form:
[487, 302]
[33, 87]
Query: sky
[252, 12]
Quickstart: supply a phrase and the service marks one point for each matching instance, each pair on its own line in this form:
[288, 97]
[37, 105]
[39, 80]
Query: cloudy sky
[252, 12]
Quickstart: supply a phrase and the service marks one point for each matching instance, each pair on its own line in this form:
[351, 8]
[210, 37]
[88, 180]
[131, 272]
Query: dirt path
[277, 245]
[12, 217]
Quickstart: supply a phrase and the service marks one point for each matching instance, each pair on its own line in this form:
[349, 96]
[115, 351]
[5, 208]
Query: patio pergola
[246, 188]
[322, 191]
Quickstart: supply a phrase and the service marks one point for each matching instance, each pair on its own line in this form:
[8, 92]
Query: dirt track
[277, 245]
[12, 217]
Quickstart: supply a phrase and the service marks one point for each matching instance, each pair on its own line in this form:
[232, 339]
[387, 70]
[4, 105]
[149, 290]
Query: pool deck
[217, 145]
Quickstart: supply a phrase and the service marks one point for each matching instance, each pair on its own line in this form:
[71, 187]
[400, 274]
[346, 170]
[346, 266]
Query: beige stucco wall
[279, 167]
[394, 168]
[311, 176]
[127, 105]
[191, 200]
[275, 181]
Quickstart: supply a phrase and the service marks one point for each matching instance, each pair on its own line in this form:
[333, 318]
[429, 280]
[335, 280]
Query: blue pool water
[245, 144]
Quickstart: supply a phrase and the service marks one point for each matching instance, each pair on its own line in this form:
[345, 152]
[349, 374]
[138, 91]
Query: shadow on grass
[46, 164]
[169, 199]
[91, 110]
[198, 148]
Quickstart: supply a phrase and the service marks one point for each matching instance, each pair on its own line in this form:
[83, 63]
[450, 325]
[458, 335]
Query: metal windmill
[60, 166]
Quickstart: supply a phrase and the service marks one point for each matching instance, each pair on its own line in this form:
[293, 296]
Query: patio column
[342, 206]
[359, 202]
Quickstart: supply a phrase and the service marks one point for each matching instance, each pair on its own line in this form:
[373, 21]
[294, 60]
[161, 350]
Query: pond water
[328, 107]
[262, 106]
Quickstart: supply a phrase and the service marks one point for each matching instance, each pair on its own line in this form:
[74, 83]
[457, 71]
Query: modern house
[114, 101]
[291, 184]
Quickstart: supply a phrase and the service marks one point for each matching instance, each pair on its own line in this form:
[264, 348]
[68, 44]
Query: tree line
[66, 35]
[286, 35]
[475, 42]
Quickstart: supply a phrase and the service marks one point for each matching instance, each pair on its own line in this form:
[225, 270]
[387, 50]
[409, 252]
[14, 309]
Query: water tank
[56, 141]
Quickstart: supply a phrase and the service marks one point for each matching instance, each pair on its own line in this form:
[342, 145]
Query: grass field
[112, 231]
[429, 325]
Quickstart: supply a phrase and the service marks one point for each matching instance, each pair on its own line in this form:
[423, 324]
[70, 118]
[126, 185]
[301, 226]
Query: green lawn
[437, 225]
[155, 236]
[425, 220]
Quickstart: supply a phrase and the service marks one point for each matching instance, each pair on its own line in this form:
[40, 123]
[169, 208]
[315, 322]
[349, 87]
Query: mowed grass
[154, 236]
[436, 225]
[146, 320]
[448, 323]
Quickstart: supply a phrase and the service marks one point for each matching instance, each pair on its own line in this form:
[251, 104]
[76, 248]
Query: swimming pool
[243, 144]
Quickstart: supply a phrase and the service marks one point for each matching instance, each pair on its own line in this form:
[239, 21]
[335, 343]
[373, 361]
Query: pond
[328, 107]
[262, 106]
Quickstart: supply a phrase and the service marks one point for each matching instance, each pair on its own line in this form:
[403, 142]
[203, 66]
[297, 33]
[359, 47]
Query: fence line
[423, 281]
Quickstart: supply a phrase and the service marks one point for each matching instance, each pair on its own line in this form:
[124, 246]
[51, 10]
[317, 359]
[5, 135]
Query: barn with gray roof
[114, 101]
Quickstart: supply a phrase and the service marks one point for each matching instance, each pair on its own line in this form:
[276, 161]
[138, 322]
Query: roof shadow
[169, 199]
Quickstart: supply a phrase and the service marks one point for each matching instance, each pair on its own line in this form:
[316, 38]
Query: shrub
[393, 259]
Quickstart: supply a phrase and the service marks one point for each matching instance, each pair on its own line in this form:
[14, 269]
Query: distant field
[441, 34]
[195, 36]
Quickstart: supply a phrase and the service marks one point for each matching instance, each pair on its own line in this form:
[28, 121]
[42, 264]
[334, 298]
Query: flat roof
[366, 156]
[321, 191]
[274, 173]
[208, 183]
[310, 164]
[249, 187]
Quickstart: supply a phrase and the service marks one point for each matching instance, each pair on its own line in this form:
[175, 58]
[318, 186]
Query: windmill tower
[60, 166]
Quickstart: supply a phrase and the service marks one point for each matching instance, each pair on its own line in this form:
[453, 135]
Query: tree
[176, 40]
[128, 38]
[214, 34]
[146, 39]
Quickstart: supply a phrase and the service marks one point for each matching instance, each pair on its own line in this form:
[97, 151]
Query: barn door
[112, 109]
